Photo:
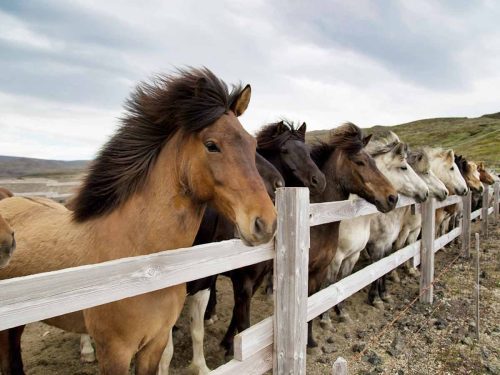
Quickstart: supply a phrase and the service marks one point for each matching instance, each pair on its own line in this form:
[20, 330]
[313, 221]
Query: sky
[67, 67]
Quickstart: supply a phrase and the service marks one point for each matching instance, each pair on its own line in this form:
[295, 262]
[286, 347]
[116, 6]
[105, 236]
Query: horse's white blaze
[197, 305]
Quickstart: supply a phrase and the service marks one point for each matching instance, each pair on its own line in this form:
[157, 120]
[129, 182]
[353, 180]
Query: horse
[485, 177]
[348, 169]
[469, 172]
[390, 155]
[444, 167]
[7, 238]
[354, 233]
[283, 145]
[412, 221]
[5, 193]
[180, 146]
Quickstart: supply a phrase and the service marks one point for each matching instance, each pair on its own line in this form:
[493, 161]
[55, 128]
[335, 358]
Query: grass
[477, 139]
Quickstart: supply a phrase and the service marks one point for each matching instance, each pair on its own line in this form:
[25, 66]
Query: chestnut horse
[180, 146]
[486, 178]
[7, 240]
[348, 169]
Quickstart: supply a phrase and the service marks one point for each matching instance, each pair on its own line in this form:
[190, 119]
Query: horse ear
[302, 129]
[280, 128]
[240, 105]
[367, 139]
[400, 149]
[480, 166]
[450, 155]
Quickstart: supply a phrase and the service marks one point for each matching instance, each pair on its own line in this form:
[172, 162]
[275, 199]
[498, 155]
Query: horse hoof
[325, 323]
[387, 298]
[345, 318]
[212, 320]
[395, 277]
[198, 370]
[413, 272]
[87, 357]
[378, 304]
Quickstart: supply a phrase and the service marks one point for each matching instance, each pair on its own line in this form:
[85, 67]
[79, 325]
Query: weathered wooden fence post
[484, 211]
[478, 287]
[466, 225]
[496, 200]
[290, 281]
[427, 250]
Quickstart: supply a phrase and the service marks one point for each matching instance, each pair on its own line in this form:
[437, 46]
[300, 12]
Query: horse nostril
[259, 226]
[314, 181]
[392, 199]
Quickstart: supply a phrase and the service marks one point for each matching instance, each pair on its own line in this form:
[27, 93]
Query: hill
[11, 166]
[475, 138]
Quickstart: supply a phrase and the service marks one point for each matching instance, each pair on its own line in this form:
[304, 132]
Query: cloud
[68, 67]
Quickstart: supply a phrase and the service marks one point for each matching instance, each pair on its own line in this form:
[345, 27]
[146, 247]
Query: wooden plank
[322, 213]
[45, 194]
[453, 199]
[36, 297]
[426, 251]
[253, 339]
[466, 218]
[339, 367]
[257, 364]
[445, 239]
[475, 214]
[290, 281]
[484, 214]
[326, 298]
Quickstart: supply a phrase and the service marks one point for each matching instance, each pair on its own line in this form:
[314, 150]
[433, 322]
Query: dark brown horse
[348, 170]
[7, 240]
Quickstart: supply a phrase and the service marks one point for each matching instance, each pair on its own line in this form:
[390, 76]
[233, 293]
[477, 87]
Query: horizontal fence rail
[41, 296]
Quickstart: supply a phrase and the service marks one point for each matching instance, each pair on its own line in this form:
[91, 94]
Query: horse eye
[452, 168]
[404, 168]
[360, 163]
[211, 146]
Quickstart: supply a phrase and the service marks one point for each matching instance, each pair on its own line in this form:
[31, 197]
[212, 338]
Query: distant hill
[475, 138]
[11, 166]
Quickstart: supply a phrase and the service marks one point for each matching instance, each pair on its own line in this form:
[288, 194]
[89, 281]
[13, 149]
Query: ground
[425, 339]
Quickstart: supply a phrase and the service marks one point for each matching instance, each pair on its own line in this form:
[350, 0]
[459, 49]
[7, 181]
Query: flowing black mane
[189, 101]
[347, 137]
[272, 136]
[462, 164]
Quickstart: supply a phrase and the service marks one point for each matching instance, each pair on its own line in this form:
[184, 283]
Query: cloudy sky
[66, 67]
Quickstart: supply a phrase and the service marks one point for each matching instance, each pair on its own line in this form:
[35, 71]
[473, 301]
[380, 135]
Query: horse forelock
[267, 138]
[187, 101]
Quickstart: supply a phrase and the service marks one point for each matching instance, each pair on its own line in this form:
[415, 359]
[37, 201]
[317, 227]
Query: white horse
[385, 228]
[412, 222]
[389, 154]
[444, 167]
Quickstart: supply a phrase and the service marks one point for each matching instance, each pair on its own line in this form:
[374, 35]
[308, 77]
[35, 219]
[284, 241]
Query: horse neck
[161, 216]
[334, 190]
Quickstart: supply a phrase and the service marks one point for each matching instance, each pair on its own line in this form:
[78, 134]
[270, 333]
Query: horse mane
[347, 137]
[462, 164]
[268, 137]
[382, 142]
[188, 101]
[419, 160]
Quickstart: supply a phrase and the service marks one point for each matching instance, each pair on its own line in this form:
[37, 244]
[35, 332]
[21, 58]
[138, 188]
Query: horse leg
[113, 356]
[87, 353]
[345, 270]
[147, 361]
[269, 284]
[333, 271]
[11, 361]
[167, 355]
[210, 312]
[383, 293]
[412, 269]
[311, 342]
[197, 306]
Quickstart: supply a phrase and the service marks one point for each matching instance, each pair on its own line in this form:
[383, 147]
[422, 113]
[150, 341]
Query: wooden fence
[278, 342]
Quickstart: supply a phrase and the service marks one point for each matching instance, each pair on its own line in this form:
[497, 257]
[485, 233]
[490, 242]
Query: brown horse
[348, 170]
[484, 177]
[7, 240]
[5, 193]
[180, 147]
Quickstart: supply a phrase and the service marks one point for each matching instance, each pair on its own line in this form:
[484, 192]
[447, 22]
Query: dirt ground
[436, 339]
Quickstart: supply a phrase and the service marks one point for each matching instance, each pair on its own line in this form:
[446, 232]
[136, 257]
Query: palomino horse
[348, 169]
[180, 146]
[469, 172]
[384, 228]
[444, 167]
[355, 232]
[7, 239]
